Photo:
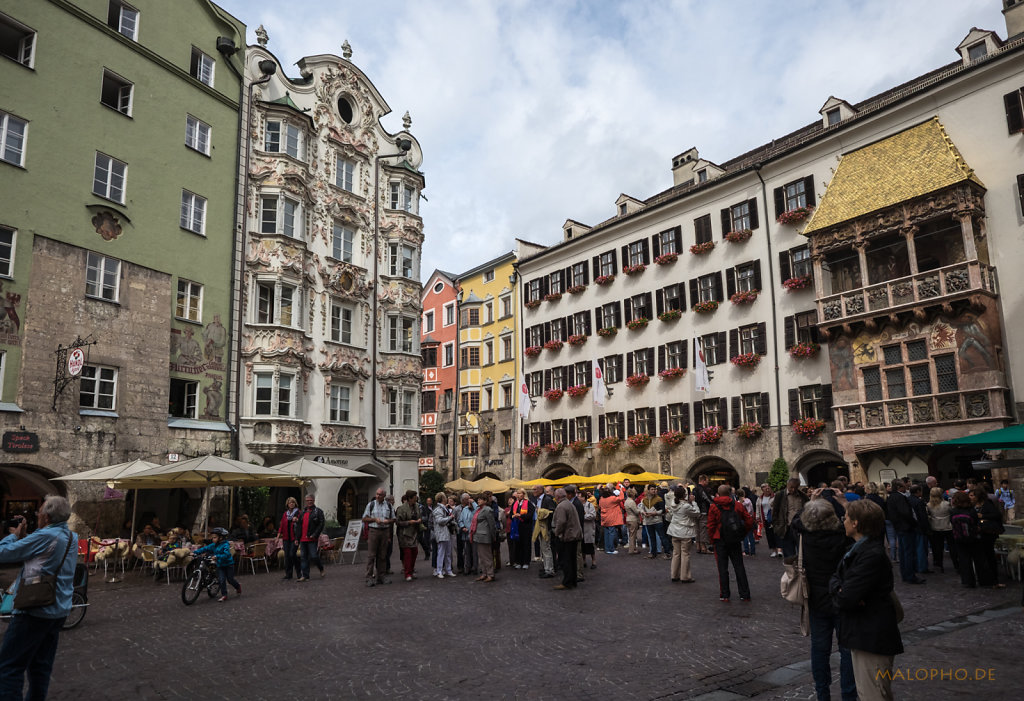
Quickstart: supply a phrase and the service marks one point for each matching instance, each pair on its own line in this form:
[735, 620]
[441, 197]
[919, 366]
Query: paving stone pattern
[625, 633]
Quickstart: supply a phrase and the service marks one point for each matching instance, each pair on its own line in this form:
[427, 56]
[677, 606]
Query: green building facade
[118, 180]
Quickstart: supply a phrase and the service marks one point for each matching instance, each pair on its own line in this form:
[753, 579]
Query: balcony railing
[929, 287]
[927, 409]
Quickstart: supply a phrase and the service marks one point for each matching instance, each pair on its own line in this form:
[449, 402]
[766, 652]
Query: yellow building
[487, 368]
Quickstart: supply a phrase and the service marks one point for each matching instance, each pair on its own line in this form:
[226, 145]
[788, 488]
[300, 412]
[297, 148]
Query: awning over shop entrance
[1007, 438]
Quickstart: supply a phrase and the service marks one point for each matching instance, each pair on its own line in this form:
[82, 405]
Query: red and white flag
[600, 390]
[524, 399]
[700, 368]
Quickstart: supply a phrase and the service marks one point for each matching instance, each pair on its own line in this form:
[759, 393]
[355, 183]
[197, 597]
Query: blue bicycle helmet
[222, 532]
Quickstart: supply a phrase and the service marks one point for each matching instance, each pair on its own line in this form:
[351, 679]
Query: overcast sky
[531, 112]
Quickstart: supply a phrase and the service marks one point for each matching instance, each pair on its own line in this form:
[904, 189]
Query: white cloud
[531, 112]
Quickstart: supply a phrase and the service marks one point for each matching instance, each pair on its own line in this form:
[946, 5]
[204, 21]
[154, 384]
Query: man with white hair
[30, 643]
[469, 562]
[567, 525]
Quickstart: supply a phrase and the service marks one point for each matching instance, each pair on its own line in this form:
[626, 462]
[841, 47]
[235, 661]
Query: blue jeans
[225, 575]
[310, 552]
[922, 553]
[908, 555]
[290, 561]
[788, 544]
[611, 538]
[890, 535]
[749, 543]
[666, 542]
[30, 644]
[652, 538]
[822, 627]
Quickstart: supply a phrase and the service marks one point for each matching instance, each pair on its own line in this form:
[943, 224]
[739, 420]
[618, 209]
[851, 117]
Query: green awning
[1005, 438]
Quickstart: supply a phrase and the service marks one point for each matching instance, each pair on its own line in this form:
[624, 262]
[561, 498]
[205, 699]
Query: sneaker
[724, 599]
[371, 582]
[222, 599]
[408, 579]
[611, 552]
[439, 576]
[450, 574]
[746, 599]
[302, 579]
[323, 573]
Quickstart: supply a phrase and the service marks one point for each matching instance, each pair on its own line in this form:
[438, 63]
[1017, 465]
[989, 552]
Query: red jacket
[611, 510]
[715, 516]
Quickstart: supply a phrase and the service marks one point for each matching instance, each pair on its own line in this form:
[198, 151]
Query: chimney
[1013, 12]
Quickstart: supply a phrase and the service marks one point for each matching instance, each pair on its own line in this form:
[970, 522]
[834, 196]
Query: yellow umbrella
[539, 482]
[458, 485]
[596, 479]
[644, 477]
[487, 484]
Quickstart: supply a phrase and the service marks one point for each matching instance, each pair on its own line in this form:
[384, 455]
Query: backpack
[733, 529]
[965, 528]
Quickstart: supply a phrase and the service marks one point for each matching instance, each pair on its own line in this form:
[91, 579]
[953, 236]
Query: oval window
[438, 287]
[345, 110]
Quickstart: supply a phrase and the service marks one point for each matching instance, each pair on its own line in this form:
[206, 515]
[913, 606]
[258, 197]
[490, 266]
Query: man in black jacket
[904, 522]
[571, 495]
[786, 506]
[924, 528]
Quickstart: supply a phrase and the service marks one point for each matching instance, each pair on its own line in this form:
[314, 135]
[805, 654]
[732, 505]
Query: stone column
[967, 231]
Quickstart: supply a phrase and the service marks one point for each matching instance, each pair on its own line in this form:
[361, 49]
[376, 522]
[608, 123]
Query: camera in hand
[13, 522]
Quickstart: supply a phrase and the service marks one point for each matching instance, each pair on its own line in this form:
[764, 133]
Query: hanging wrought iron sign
[71, 359]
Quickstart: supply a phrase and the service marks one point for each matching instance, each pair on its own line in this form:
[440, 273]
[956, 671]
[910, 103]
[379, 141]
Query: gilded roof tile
[914, 162]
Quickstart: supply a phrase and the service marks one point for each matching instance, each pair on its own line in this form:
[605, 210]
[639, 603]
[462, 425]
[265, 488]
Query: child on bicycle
[225, 561]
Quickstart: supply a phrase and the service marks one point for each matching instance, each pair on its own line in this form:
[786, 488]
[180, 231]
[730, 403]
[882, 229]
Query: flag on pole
[524, 399]
[700, 367]
[600, 390]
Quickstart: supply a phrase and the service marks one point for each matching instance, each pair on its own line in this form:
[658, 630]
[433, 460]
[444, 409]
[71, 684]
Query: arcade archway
[821, 466]
[718, 471]
[558, 471]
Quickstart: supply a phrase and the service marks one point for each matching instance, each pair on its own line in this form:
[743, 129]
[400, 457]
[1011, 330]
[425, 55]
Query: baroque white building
[329, 343]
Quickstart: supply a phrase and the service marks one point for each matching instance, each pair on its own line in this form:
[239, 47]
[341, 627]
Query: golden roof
[914, 162]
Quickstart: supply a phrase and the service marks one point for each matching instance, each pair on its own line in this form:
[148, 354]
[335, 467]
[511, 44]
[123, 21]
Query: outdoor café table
[273, 545]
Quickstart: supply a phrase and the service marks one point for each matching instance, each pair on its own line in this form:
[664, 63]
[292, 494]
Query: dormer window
[833, 116]
[622, 209]
[702, 175]
[568, 232]
[977, 51]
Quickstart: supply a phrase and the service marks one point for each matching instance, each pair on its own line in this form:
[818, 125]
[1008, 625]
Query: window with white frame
[488, 352]
[282, 136]
[449, 355]
[536, 384]
[189, 302]
[197, 135]
[672, 297]
[116, 92]
[278, 302]
[714, 353]
[581, 373]
[712, 413]
[555, 282]
[800, 260]
[613, 369]
[488, 276]
[506, 306]
[17, 42]
[274, 395]
[401, 259]
[102, 277]
[645, 422]
[675, 354]
[341, 322]
[506, 347]
[558, 377]
[109, 177]
[400, 334]
[341, 403]
[678, 418]
[579, 274]
[346, 176]
[745, 277]
[12, 139]
[400, 406]
[506, 395]
[558, 431]
[558, 329]
[201, 67]
[638, 253]
[795, 194]
[606, 263]
[280, 214]
[739, 214]
[7, 237]
[641, 366]
[750, 338]
[535, 335]
[3, 366]
[615, 424]
[403, 196]
[707, 287]
[668, 242]
[124, 18]
[810, 400]
[343, 240]
[428, 322]
[751, 408]
[97, 388]
[533, 290]
[193, 212]
[182, 402]
[449, 314]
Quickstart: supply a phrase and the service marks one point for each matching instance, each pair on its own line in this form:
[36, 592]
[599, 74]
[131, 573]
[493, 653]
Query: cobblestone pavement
[625, 633]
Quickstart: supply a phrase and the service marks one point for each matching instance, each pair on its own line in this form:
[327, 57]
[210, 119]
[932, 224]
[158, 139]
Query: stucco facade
[439, 335]
[329, 352]
[119, 208]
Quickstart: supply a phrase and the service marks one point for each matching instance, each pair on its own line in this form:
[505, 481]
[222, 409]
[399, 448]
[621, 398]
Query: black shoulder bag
[42, 589]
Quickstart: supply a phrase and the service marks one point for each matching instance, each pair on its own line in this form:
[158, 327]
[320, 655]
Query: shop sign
[76, 361]
[20, 442]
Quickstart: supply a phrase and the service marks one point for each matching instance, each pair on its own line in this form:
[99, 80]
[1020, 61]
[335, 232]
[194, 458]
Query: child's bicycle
[202, 575]
[79, 599]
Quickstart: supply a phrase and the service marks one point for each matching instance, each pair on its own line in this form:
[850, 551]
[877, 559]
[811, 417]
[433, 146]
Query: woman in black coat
[862, 592]
[824, 541]
[990, 526]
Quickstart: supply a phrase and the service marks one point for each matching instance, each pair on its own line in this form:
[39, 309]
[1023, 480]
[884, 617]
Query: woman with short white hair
[443, 520]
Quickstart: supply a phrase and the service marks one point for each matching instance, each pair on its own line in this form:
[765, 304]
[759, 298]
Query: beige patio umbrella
[458, 485]
[487, 484]
[305, 469]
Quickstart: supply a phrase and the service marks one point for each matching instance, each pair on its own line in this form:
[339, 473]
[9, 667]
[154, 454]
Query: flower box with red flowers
[745, 297]
[751, 429]
[667, 259]
[579, 446]
[532, 351]
[804, 349]
[577, 339]
[553, 297]
[705, 307]
[531, 450]
[634, 269]
[672, 438]
[532, 304]
[576, 289]
[577, 391]
[698, 249]
[637, 380]
[604, 279]
[609, 444]
[608, 331]
[553, 345]
[708, 435]
[639, 323]
[670, 315]
[795, 216]
[639, 440]
[555, 448]
[808, 427]
[746, 360]
[797, 283]
[553, 395]
[738, 236]
[671, 373]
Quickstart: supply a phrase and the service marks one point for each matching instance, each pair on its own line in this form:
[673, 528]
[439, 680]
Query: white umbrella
[306, 469]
